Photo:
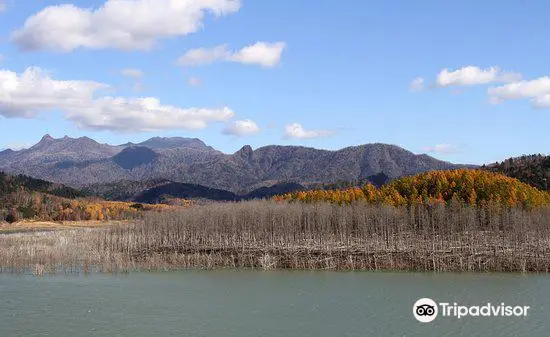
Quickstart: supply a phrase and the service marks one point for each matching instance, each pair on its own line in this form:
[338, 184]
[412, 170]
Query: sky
[463, 81]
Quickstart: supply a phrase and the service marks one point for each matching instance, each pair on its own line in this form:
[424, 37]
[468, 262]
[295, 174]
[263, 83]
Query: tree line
[468, 186]
[533, 170]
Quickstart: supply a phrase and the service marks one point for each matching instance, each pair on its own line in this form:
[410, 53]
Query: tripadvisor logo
[426, 310]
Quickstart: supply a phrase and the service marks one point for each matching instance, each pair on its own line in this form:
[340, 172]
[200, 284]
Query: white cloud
[538, 91]
[2, 6]
[132, 73]
[201, 56]
[34, 91]
[194, 81]
[441, 149]
[129, 25]
[296, 130]
[264, 54]
[143, 114]
[471, 75]
[417, 84]
[542, 102]
[241, 128]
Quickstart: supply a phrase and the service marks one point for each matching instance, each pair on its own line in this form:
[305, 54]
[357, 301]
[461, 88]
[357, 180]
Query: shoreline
[46, 272]
[37, 226]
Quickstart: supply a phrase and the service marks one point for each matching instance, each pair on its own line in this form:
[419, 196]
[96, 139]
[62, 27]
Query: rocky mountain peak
[174, 142]
[245, 152]
[46, 138]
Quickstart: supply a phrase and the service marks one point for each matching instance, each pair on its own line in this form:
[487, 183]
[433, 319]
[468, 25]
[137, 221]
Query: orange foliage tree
[469, 186]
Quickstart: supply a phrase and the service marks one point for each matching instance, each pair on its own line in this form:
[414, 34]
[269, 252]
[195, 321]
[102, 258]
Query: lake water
[280, 303]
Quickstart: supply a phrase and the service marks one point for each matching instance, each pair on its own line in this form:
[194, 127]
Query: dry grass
[40, 226]
[268, 235]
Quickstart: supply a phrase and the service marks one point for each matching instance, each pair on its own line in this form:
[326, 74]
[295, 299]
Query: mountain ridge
[78, 162]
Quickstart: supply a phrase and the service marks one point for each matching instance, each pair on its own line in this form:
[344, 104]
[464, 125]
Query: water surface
[280, 303]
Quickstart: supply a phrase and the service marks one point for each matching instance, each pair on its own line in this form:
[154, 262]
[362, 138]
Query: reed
[272, 235]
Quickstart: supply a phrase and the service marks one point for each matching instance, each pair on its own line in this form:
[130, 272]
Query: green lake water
[279, 303]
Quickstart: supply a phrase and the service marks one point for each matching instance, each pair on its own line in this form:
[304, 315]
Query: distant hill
[23, 197]
[377, 180]
[24, 184]
[157, 194]
[156, 191]
[533, 170]
[82, 161]
[27, 197]
[271, 191]
[124, 190]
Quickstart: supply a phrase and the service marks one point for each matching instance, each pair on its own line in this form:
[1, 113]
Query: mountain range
[80, 162]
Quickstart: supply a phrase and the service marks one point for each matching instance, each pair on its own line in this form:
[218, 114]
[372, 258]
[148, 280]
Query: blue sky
[316, 73]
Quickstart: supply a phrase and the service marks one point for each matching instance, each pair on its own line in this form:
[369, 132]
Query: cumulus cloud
[471, 75]
[201, 56]
[245, 127]
[128, 25]
[263, 54]
[538, 91]
[143, 114]
[417, 84]
[542, 102]
[297, 131]
[194, 81]
[34, 91]
[441, 149]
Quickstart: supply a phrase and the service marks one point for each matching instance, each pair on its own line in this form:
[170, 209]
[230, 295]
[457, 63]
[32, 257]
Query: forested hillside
[164, 192]
[533, 170]
[124, 190]
[160, 191]
[472, 187]
[22, 197]
[14, 183]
